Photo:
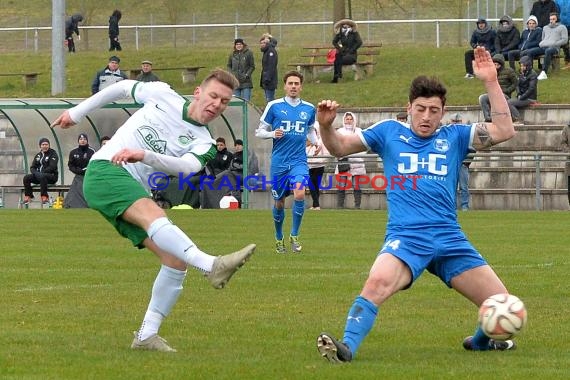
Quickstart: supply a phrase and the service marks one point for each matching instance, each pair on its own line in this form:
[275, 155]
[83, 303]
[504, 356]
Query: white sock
[165, 292]
[171, 239]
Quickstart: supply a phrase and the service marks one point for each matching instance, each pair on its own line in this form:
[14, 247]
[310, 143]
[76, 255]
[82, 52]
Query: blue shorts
[443, 252]
[284, 180]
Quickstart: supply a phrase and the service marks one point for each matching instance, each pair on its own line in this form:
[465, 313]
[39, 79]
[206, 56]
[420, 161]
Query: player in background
[422, 230]
[289, 121]
[170, 135]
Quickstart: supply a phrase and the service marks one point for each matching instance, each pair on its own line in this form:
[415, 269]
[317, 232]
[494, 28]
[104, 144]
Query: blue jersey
[295, 121]
[421, 173]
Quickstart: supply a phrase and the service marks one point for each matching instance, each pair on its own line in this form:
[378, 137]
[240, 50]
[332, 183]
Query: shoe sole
[327, 349]
[247, 251]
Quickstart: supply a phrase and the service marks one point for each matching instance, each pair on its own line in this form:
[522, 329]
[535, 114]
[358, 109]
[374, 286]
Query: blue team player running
[422, 231]
[289, 121]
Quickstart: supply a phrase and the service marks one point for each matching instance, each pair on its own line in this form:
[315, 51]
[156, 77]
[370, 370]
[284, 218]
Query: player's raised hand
[326, 112]
[483, 65]
[64, 121]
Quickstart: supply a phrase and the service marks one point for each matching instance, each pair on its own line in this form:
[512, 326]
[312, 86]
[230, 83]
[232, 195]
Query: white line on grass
[62, 287]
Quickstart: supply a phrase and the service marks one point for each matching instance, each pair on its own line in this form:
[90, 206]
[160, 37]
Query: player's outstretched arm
[501, 127]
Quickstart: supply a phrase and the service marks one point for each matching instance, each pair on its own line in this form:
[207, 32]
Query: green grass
[73, 291]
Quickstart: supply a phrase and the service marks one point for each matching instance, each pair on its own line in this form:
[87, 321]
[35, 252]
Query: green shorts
[111, 190]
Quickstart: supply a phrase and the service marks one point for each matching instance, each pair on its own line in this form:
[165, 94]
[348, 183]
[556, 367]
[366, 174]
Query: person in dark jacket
[146, 74]
[222, 159]
[530, 38]
[43, 171]
[527, 88]
[241, 64]
[77, 164]
[109, 75]
[347, 41]
[72, 26]
[484, 35]
[542, 10]
[507, 79]
[114, 43]
[269, 60]
[508, 36]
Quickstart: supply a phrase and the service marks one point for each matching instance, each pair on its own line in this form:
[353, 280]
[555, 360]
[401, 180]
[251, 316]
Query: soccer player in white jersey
[289, 122]
[423, 161]
[168, 134]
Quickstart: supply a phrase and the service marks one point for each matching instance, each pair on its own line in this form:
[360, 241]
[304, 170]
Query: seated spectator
[43, 171]
[507, 80]
[508, 37]
[530, 38]
[222, 159]
[484, 35]
[402, 117]
[109, 75]
[146, 74]
[564, 6]
[526, 89]
[346, 41]
[78, 160]
[554, 35]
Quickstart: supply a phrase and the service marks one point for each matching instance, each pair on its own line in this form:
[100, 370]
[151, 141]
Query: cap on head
[533, 18]
[498, 58]
[114, 58]
[238, 142]
[402, 116]
[526, 60]
[146, 62]
[238, 41]
[83, 135]
[43, 140]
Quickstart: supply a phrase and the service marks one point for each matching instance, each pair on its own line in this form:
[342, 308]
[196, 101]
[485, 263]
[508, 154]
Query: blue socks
[480, 341]
[359, 322]
[298, 210]
[278, 219]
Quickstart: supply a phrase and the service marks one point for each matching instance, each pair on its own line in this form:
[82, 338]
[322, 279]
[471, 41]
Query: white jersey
[161, 126]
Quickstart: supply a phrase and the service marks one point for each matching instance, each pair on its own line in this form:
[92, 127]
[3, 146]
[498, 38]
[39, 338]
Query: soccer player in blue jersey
[422, 161]
[289, 122]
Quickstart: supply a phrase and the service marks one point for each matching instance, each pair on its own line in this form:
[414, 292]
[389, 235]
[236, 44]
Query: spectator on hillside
[241, 64]
[43, 171]
[542, 10]
[530, 38]
[508, 36]
[109, 75]
[527, 92]
[269, 60]
[507, 80]
[565, 145]
[77, 164]
[72, 26]
[146, 74]
[484, 35]
[347, 41]
[114, 43]
[564, 6]
[554, 35]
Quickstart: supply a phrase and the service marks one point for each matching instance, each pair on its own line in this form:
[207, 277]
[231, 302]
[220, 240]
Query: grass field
[73, 291]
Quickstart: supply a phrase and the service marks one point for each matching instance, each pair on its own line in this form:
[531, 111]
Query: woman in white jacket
[357, 167]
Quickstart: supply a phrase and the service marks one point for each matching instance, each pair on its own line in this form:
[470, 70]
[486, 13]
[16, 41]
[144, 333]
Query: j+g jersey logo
[151, 138]
[412, 163]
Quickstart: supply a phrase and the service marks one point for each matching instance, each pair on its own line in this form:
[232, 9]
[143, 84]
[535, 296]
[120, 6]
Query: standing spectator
[422, 233]
[72, 26]
[288, 121]
[43, 171]
[507, 80]
[484, 35]
[508, 36]
[146, 74]
[464, 194]
[269, 60]
[241, 64]
[118, 183]
[564, 6]
[109, 75]
[77, 163]
[317, 162]
[356, 167]
[542, 10]
[114, 43]
[565, 145]
[222, 159]
[530, 38]
[347, 41]
[554, 35]
[527, 91]
[402, 117]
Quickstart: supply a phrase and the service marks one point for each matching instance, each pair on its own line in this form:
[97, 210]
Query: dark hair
[293, 73]
[555, 14]
[117, 13]
[424, 87]
[105, 138]
[222, 76]
[221, 139]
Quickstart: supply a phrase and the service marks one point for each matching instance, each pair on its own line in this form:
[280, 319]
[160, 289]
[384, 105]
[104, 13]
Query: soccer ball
[502, 316]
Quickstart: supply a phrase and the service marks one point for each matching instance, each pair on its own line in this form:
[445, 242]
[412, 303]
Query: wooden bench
[189, 73]
[554, 62]
[61, 190]
[28, 79]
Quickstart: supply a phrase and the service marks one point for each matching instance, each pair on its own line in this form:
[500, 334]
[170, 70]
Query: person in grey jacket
[109, 75]
[241, 64]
